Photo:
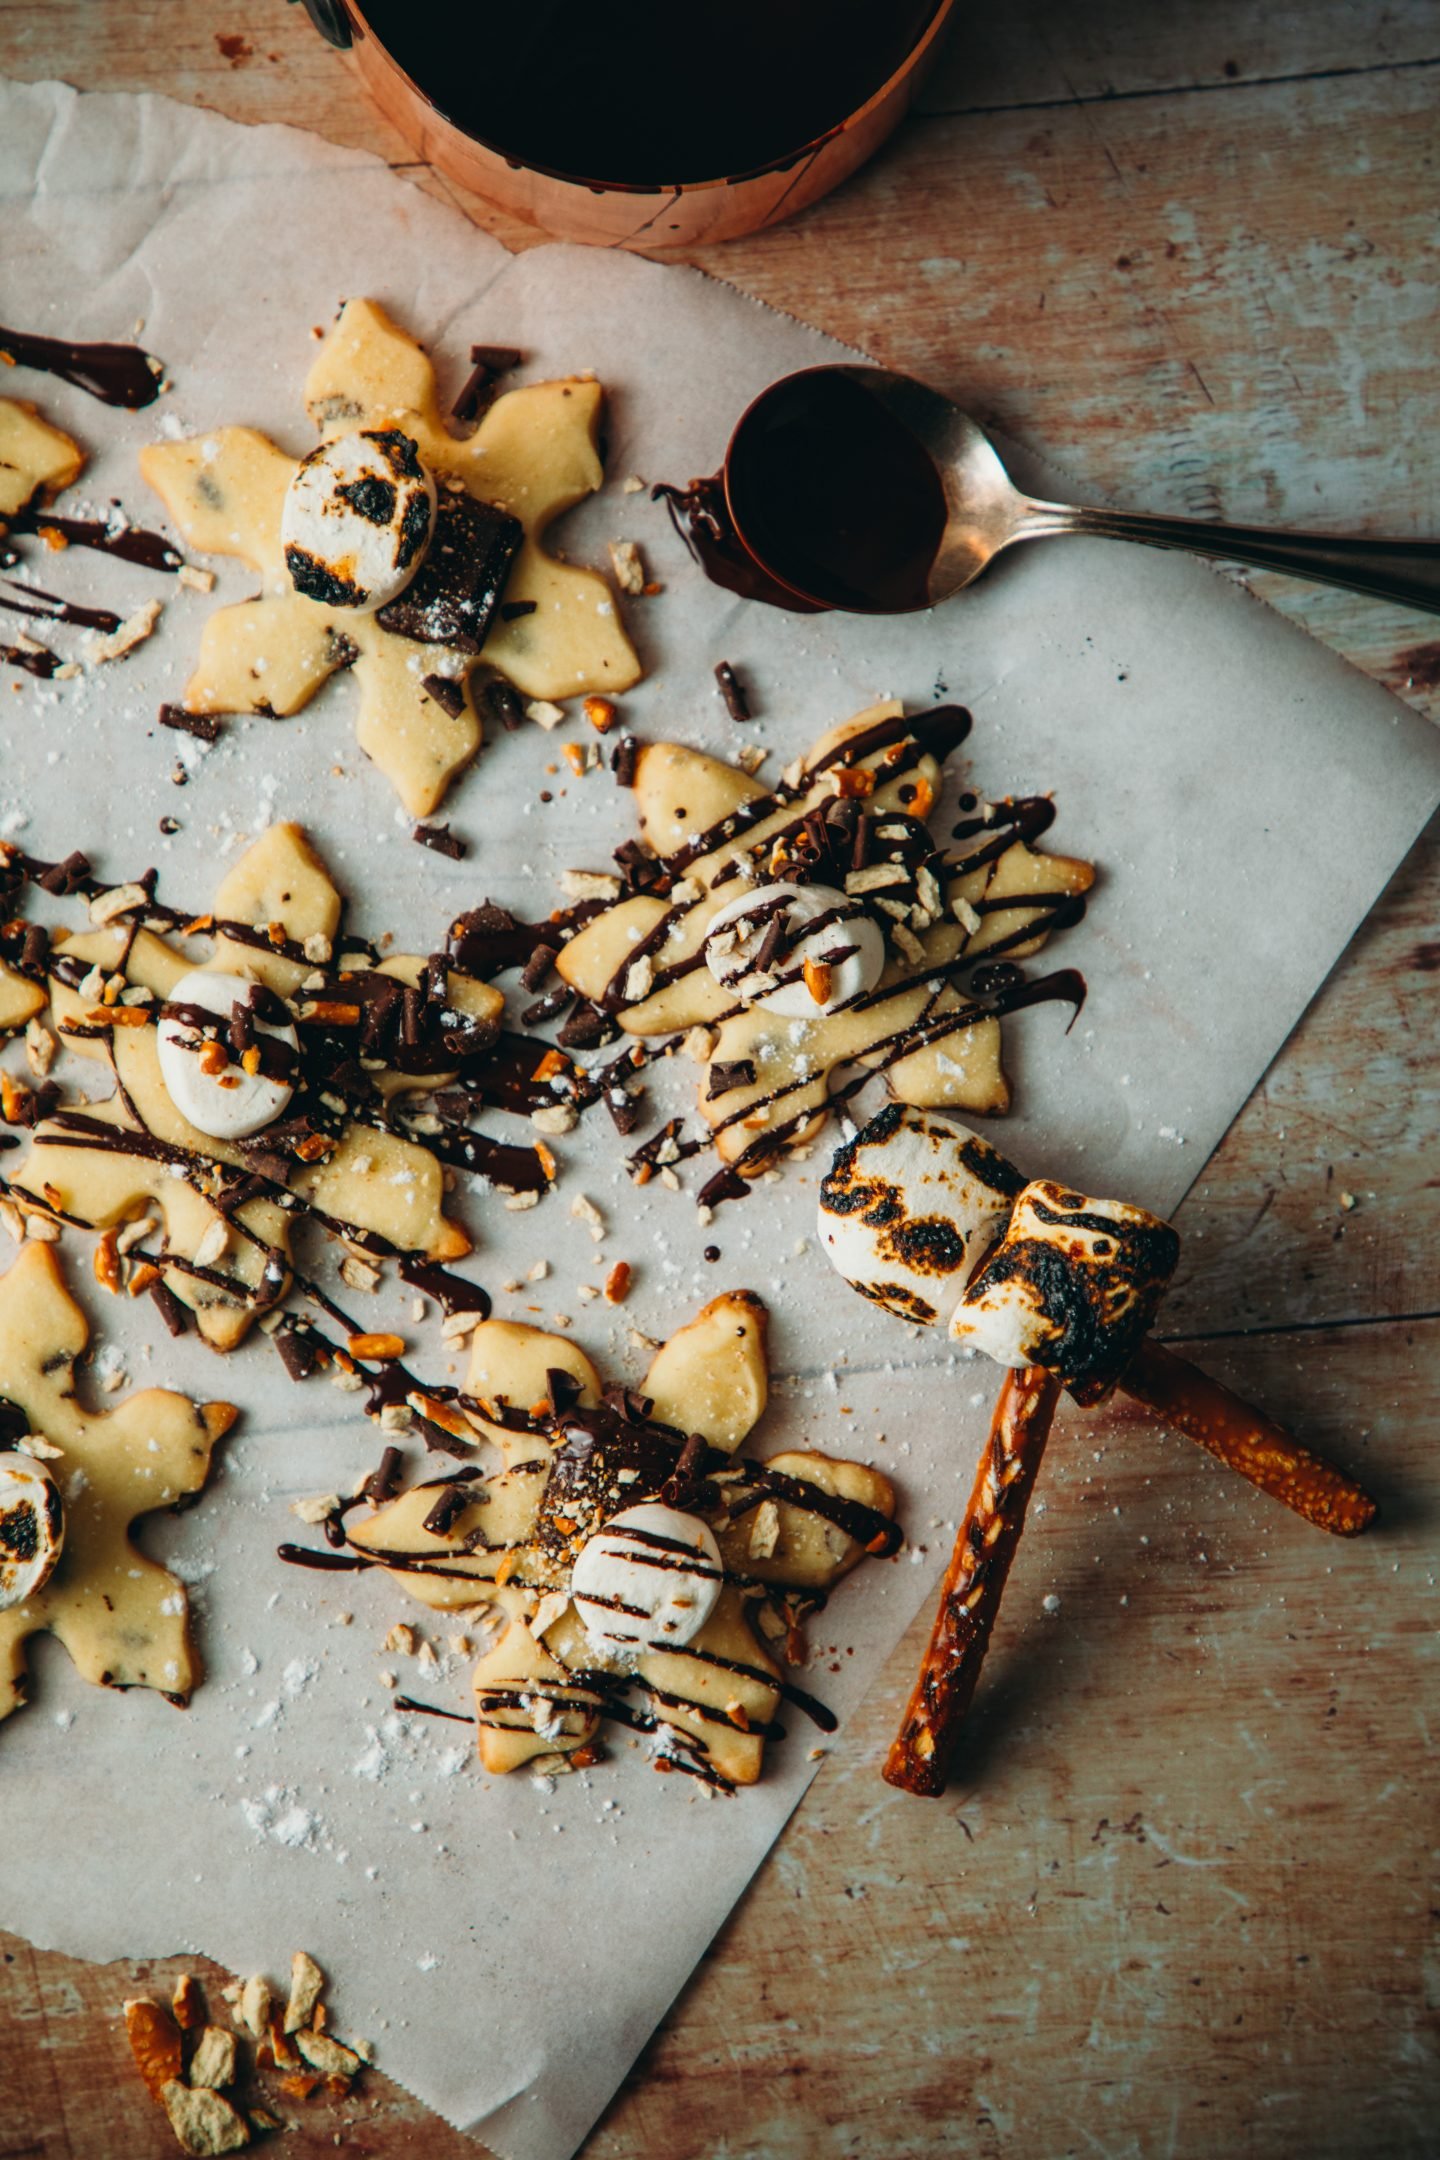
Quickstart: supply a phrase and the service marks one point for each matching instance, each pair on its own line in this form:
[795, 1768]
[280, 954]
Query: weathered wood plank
[1350, 1107]
[1048, 52]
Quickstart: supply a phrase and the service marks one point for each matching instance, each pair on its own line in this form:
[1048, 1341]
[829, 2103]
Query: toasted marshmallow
[647, 1581]
[910, 1207]
[228, 1104]
[1074, 1284]
[357, 519]
[828, 944]
[32, 1527]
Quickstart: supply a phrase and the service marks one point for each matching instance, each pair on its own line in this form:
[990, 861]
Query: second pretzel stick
[919, 1759]
[1247, 1441]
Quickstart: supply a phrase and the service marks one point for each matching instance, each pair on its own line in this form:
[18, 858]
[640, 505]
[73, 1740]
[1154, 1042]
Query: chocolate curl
[1245, 1440]
[919, 1759]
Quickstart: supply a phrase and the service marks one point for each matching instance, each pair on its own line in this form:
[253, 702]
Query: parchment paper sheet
[1244, 791]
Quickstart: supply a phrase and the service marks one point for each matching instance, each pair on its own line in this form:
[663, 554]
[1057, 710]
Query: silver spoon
[806, 483]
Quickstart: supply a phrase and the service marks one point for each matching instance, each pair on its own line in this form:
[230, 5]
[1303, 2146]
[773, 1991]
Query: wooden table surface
[1177, 1900]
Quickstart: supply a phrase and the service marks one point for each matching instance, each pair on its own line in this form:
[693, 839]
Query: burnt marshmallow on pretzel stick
[932, 1222]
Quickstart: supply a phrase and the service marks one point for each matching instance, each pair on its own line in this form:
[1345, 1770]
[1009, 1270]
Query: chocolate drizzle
[120, 375]
[602, 1459]
[824, 842]
[105, 536]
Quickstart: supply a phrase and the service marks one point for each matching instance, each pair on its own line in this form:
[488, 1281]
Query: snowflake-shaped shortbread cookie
[714, 832]
[534, 455]
[122, 1617]
[360, 1177]
[572, 1456]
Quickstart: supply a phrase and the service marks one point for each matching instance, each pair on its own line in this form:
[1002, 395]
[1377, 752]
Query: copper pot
[622, 214]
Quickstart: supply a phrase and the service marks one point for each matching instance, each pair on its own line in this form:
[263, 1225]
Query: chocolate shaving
[442, 840]
[732, 691]
[548, 1007]
[679, 1489]
[562, 1388]
[447, 691]
[538, 966]
[73, 875]
[206, 727]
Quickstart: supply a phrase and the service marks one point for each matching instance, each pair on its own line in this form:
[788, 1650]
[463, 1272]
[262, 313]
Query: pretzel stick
[1246, 1441]
[1019, 1427]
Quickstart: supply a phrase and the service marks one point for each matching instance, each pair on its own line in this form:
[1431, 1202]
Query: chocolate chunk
[297, 1350]
[586, 1028]
[512, 610]
[624, 759]
[504, 703]
[169, 825]
[442, 840]
[489, 362]
[172, 1311]
[451, 1504]
[208, 727]
[447, 691]
[548, 1007]
[341, 651]
[733, 691]
[738, 1073]
[384, 1481]
[453, 596]
[624, 1111]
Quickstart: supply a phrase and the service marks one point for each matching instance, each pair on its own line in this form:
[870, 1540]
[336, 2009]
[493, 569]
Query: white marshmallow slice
[1073, 1284]
[910, 1207]
[648, 1581]
[357, 519]
[735, 936]
[230, 1104]
[32, 1527]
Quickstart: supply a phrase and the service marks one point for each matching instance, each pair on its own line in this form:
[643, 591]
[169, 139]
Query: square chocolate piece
[452, 598]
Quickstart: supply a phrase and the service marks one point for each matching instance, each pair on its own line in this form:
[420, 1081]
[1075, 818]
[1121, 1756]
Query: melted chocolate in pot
[834, 496]
[658, 100]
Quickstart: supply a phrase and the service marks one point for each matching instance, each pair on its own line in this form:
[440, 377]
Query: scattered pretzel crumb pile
[189, 2064]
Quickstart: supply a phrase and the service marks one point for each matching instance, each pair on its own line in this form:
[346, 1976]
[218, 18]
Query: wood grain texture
[1176, 1900]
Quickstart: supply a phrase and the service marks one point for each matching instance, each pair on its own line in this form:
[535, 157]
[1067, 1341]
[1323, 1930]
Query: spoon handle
[1404, 570]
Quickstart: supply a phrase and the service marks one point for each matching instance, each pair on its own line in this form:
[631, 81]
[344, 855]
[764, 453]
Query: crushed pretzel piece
[617, 1283]
[132, 632]
[628, 565]
[307, 1984]
[203, 2121]
[213, 2062]
[327, 2055]
[188, 2003]
[155, 2042]
[252, 2009]
[401, 1638]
